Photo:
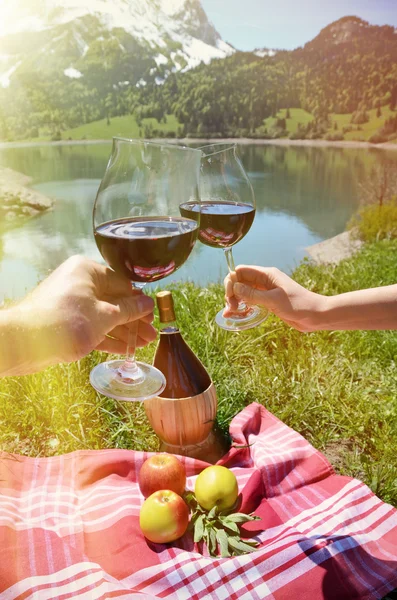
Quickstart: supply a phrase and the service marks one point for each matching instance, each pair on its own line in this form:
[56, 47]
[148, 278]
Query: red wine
[146, 249]
[222, 224]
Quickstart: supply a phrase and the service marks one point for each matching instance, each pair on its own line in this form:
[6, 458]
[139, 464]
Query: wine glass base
[235, 322]
[106, 379]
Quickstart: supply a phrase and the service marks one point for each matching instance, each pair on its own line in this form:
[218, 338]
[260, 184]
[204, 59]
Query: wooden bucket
[183, 422]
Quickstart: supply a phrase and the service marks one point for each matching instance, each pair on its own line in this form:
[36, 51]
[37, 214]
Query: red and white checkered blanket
[69, 527]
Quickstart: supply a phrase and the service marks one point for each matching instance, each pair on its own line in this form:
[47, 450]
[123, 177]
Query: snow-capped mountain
[175, 33]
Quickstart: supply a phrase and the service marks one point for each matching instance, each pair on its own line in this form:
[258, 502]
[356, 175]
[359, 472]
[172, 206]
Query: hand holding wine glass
[227, 213]
[141, 234]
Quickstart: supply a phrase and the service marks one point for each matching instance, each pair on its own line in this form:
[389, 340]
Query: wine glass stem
[129, 370]
[230, 264]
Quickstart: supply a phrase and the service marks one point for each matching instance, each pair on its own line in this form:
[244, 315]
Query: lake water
[304, 195]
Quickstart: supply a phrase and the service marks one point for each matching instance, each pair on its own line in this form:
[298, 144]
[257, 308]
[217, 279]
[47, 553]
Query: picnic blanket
[69, 527]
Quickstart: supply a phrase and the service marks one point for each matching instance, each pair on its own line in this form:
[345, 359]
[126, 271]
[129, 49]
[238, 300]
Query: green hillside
[297, 115]
[126, 126]
[366, 130]
[338, 123]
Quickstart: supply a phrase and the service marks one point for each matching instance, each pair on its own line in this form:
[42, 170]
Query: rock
[18, 201]
[29, 211]
[14, 177]
[334, 249]
[10, 216]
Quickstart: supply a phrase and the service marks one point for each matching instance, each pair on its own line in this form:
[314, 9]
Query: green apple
[216, 486]
[164, 517]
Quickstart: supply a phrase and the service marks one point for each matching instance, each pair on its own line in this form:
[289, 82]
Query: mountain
[59, 36]
[349, 68]
[344, 31]
[350, 65]
[66, 65]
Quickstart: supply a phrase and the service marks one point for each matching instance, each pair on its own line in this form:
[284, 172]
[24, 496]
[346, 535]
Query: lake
[304, 195]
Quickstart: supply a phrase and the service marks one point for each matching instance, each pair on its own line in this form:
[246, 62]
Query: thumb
[252, 295]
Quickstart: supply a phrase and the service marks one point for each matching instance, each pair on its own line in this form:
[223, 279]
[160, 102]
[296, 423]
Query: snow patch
[170, 7]
[197, 51]
[82, 46]
[151, 21]
[224, 47]
[72, 73]
[5, 79]
[265, 52]
[160, 59]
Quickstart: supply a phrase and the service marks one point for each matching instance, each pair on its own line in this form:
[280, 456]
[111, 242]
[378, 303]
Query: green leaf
[231, 526]
[212, 541]
[199, 528]
[241, 518]
[213, 512]
[239, 546]
[222, 538]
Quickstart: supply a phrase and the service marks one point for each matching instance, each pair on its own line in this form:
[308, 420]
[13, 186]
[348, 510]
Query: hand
[81, 306]
[277, 292]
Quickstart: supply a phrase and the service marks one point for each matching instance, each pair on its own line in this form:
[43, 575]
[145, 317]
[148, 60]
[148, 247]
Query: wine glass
[227, 213]
[140, 233]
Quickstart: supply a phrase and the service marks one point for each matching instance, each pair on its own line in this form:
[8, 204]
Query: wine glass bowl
[227, 213]
[141, 234]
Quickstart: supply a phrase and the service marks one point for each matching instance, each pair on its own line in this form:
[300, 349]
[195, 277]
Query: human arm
[374, 308]
[81, 306]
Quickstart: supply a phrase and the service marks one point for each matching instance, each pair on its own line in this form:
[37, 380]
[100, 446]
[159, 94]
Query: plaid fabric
[69, 527]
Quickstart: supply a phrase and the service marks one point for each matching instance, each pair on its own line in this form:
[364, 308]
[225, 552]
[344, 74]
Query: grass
[127, 126]
[119, 126]
[367, 129]
[337, 389]
[297, 115]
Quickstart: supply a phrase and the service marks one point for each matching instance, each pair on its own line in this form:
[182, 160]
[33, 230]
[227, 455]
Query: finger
[125, 310]
[112, 346]
[252, 295]
[120, 333]
[228, 283]
[141, 342]
[145, 331]
[230, 308]
[113, 284]
[261, 277]
[148, 318]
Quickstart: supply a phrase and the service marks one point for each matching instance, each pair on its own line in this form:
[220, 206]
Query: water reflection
[304, 195]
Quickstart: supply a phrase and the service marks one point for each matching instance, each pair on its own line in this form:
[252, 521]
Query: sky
[287, 24]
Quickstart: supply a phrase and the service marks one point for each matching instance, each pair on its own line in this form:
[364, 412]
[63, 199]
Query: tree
[378, 111]
[393, 98]
[380, 185]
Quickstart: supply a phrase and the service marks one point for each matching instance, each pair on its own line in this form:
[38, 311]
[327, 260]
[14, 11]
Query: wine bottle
[185, 374]
[183, 416]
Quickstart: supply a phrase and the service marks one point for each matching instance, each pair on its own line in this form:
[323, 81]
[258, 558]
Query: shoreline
[243, 141]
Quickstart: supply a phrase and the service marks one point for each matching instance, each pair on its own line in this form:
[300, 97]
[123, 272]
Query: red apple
[164, 517]
[162, 472]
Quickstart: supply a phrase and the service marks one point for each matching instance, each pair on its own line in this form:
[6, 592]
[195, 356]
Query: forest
[349, 68]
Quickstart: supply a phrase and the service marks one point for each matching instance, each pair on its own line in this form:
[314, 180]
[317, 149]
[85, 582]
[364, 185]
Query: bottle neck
[170, 327]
